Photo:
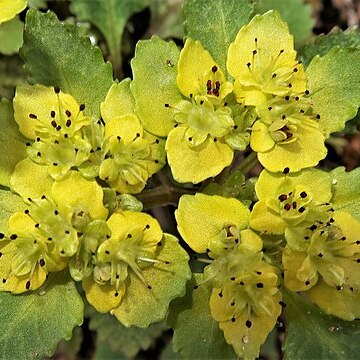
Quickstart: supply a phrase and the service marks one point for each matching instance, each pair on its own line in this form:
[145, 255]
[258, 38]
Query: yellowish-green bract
[10, 8]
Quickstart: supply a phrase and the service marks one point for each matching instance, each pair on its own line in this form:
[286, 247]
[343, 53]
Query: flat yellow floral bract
[9, 8]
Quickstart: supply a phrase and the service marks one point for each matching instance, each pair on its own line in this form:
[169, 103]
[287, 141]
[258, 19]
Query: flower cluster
[78, 168]
[267, 106]
[72, 162]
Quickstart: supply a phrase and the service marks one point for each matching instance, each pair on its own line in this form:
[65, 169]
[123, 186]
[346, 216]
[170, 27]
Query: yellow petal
[9, 8]
[78, 193]
[197, 163]
[194, 62]
[40, 101]
[201, 217]
[30, 180]
[119, 101]
[305, 152]
[126, 126]
[120, 223]
[264, 220]
[102, 297]
[318, 182]
[267, 46]
[261, 139]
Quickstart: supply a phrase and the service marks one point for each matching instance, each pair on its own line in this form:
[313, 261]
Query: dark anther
[254, 52]
[287, 207]
[68, 113]
[241, 283]
[281, 51]
[107, 252]
[42, 262]
[27, 211]
[129, 236]
[338, 287]
[156, 161]
[269, 108]
[294, 205]
[208, 250]
[58, 128]
[287, 97]
[233, 319]
[232, 278]
[52, 113]
[159, 243]
[296, 70]
[28, 144]
[2, 235]
[297, 98]
[38, 139]
[302, 111]
[38, 154]
[260, 285]
[201, 102]
[37, 225]
[116, 294]
[220, 294]
[307, 92]
[318, 116]
[313, 227]
[320, 255]
[215, 139]
[301, 209]
[273, 75]
[68, 122]
[214, 69]
[56, 89]
[32, 116]
[166, 105]
[303, 194]
[13, 237]
[82, 107]
[53, 124]
[307, 282]
[283, 117]
[27, 285]
[286, 170]
[4, 281]
[149, 287]
[190, 138]
[248, 324]
[248, 64]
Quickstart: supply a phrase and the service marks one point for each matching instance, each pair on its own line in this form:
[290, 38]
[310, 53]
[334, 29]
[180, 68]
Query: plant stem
[248, 163]
[162, 196]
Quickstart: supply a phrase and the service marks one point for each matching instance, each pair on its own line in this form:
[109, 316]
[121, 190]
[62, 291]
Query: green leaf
[12, 73]
[121, 339]
[11, 37]
[12, 143]
[169, 354]
[55, 55]
[324, 43]
[154, 83]
[32, 324]
[334, 84]
[110, 18]
[215, 24]
[196, 333]
[38, 4]
[310, 334]
[166, 18]
[346, 192]
[141, 306]
[295, 12]
[9, 204]
[104, 352]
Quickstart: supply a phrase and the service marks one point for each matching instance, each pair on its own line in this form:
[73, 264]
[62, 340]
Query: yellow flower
[132, 155]
[55, 122]
[207, 123]
[262, 60]
[324, 262]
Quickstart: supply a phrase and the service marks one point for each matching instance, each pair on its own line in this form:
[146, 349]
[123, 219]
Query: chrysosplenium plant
[84, 158]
